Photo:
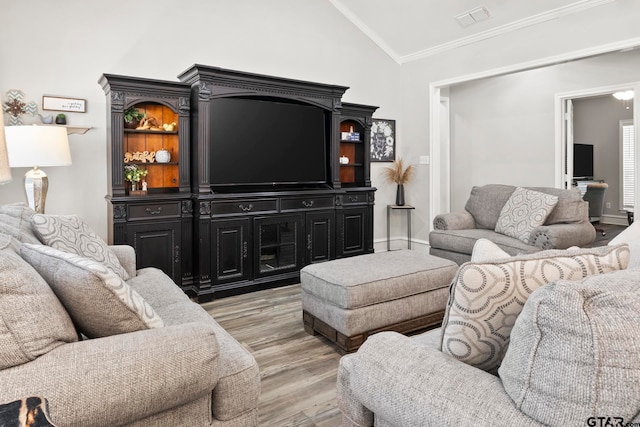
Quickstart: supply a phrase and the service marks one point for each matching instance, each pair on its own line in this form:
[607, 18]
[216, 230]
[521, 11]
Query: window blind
[627, 139]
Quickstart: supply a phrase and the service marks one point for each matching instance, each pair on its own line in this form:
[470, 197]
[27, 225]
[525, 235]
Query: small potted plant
[61, 119]
[401, 175]
[132, 117]
[133, 174]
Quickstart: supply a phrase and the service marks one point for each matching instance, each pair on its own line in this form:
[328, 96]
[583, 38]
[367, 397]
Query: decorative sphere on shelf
[163, 156]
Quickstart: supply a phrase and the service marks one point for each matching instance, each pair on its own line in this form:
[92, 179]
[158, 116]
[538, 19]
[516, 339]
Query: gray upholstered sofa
[159, 360]
[573, 354]
[455, 233]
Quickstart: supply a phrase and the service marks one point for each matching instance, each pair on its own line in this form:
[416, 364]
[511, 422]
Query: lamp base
[36, 185]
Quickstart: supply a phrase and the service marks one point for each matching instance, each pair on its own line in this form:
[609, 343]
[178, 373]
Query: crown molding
[348, 13]
[570, 9]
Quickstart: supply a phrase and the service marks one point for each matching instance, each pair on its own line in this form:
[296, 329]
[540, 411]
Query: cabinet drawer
[354, 198]
[297, 203]
[244, 207]
[154, 210]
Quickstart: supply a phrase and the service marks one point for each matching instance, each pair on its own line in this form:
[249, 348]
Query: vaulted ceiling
[413, 29]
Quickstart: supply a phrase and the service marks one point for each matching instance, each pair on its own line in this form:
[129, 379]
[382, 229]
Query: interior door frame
[564, 147]
[439, 192]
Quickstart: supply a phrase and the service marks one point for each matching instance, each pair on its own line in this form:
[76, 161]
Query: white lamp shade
[5, 172]
[30, 146]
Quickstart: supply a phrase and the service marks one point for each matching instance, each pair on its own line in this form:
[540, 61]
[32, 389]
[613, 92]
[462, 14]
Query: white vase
[163, 156]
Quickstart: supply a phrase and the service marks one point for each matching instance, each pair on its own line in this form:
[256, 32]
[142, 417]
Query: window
[627, 163]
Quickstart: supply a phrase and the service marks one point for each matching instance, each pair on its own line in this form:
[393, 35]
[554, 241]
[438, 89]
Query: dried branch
[398, 173]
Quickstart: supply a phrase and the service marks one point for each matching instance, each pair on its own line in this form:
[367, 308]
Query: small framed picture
[383, 140]
[57, 103]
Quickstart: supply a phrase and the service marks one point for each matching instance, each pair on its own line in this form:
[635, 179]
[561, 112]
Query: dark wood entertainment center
[216, 241]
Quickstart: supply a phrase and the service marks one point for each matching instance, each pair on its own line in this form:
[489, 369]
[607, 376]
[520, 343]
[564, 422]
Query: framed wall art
[383, 140]
[57, 103]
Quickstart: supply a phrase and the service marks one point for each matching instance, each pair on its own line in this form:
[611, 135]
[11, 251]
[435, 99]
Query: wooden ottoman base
[345, 344]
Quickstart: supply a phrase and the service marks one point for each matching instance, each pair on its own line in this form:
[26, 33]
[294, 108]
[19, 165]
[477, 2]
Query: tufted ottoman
[348, 299]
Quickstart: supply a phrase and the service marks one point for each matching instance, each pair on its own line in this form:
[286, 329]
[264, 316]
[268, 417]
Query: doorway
[588, 123]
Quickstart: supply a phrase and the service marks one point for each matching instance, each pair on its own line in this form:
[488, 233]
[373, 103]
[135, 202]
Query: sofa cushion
[575, 353]
[524, 211]
[486, 298]
[15, 221]
[72, 234]
[486, 250]
[630, 236]
[100, 303]
[486, 202]
[32, 320]
[463, 241]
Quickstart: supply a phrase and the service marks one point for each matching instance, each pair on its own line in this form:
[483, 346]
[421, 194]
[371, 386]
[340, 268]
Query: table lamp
[35, 146]
[5, 171]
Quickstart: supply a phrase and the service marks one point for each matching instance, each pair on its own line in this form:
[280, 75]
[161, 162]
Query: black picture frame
[383, 140]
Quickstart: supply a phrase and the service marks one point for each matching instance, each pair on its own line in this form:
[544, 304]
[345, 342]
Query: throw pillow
[575, 353]
[32, 320]
[15, 221]
[486, 250]
[486, 298]
[630, 236]
[72, 234]
[524, 211]
[100, 303]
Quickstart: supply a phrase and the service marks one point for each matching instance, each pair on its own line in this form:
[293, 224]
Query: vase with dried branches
[401, 174]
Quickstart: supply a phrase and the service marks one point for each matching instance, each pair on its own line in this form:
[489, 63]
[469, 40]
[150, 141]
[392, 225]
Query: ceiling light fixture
[625, 96]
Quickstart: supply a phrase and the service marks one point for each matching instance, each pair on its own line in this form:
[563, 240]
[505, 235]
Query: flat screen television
[267, 142]
[582, 161]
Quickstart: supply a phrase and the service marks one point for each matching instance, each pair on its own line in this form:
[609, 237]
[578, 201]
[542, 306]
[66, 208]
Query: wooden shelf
[152, 132]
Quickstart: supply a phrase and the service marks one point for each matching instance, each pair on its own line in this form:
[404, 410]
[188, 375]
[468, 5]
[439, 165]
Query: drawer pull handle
[309, 241]
[244, 250]
[154, 212]
[246, 208]
[353, 198]
[307, 204]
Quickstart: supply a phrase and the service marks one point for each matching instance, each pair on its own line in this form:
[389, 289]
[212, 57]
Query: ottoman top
[374, 278]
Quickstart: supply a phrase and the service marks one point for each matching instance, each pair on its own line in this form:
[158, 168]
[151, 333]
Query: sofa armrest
[454, 221]
[563, 236]
[127, 257]
[119, 379]
[406, 383]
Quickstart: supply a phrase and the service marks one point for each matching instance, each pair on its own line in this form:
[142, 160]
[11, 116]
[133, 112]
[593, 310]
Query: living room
[62, 49]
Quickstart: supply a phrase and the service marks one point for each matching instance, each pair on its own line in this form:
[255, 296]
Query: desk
[407, 208]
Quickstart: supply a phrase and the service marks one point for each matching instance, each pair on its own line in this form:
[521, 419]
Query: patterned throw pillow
[32, 320]
[100, 303]
[486, 298]
[69, 233]
[486, 250]
[524, 211]
[630, 236]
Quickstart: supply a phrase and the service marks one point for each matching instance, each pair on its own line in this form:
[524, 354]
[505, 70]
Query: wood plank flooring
[298, 371]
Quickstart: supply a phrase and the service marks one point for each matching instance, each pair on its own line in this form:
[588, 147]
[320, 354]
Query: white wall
[504, 127]
[62, 48]
[598, 26]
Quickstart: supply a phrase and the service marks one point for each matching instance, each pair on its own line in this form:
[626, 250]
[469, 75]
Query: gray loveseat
[455, 233]
[186, 370]
[573, 354]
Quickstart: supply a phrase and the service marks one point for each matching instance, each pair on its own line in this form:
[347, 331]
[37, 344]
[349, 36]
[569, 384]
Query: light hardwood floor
[297, 370]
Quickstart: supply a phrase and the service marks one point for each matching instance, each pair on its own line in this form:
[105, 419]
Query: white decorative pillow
[100, 303]
[69, 233]
[486, 250]
[32, 320]
[524, 211]
[630, 236]
[486, 298]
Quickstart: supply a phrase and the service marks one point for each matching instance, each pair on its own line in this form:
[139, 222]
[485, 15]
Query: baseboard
[614, 219]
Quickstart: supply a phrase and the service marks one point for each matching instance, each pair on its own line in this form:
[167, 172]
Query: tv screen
[266, 142]
[582, 161]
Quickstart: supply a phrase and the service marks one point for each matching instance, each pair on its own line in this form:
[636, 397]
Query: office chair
[595, 196]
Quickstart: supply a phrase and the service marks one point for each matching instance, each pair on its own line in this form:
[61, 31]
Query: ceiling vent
[471, 17]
